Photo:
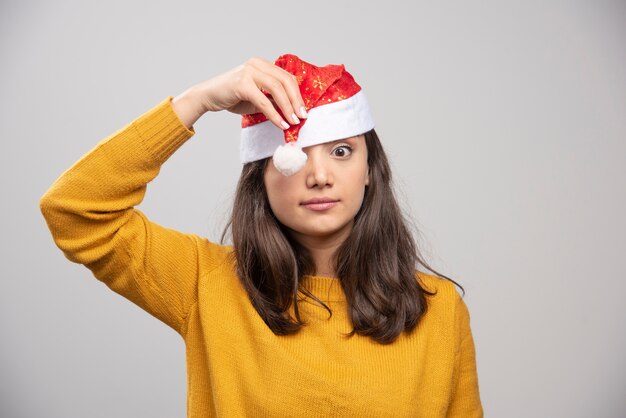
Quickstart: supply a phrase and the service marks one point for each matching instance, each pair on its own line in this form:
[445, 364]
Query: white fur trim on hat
[325, 123]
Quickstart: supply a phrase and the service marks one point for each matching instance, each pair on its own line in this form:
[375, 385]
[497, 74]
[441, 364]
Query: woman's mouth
[320, 206]
[320, 203]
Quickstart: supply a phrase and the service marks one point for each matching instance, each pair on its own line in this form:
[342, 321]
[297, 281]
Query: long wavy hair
[376, 264]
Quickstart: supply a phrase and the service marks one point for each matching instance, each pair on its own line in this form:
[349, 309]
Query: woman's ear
[367, 179]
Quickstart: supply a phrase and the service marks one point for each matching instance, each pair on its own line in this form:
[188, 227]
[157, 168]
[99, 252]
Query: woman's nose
[318, 170]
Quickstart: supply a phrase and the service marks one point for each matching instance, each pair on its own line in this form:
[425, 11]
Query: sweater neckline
[326, 289]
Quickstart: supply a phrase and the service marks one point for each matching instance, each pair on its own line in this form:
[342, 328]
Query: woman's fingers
[282, 86]
[288, 81]
[266, 107]
[276, 89]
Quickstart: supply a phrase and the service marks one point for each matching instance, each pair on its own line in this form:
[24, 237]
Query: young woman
[317, 309]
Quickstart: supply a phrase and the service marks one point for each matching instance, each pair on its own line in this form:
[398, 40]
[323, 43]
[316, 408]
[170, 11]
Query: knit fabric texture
[236, 366]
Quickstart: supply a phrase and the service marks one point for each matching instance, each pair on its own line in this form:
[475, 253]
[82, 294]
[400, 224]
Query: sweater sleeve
[466, 401]
[90, 212]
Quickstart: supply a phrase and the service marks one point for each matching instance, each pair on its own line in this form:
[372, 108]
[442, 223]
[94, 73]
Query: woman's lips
[320, 206]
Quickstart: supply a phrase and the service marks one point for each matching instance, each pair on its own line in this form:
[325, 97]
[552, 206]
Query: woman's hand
[239, 91]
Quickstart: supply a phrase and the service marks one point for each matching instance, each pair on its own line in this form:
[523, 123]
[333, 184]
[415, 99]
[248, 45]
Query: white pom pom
[289, 158]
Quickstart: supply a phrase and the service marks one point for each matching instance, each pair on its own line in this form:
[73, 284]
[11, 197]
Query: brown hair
[376, 264]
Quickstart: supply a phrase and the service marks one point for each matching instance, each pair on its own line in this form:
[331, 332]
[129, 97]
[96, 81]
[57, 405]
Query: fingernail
[285, 124]
[303, 112]
[295, 118]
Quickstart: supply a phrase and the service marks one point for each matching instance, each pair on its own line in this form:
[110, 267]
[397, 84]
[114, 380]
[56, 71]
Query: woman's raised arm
[90, 209]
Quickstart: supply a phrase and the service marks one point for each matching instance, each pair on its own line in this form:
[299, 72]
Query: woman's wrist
[188, 106]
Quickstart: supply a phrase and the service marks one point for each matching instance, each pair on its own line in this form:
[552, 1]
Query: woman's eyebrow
[350, 140]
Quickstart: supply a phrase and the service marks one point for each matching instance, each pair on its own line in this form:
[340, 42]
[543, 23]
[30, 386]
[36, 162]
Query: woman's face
[336, 170]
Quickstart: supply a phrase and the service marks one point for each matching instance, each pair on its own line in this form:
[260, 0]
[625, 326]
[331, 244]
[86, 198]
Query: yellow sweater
[236, 366]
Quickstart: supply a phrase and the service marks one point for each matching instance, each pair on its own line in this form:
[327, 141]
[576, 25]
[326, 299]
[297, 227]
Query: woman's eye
[343, 152]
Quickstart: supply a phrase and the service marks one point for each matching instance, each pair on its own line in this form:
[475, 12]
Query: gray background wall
[505, 123]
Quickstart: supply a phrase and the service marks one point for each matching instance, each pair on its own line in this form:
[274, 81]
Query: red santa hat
[336, 106]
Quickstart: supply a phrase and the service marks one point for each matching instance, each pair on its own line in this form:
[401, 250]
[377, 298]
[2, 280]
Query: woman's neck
[323, 249]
